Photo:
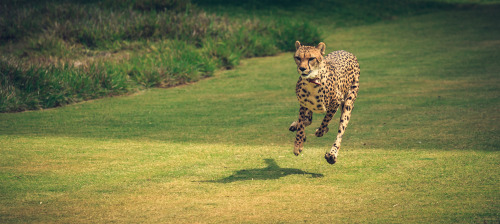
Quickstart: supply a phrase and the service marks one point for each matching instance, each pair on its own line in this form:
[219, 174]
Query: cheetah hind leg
[294, 126]
[323, 129]
[331, 156]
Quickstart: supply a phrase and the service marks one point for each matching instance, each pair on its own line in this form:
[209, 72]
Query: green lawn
[422, 145]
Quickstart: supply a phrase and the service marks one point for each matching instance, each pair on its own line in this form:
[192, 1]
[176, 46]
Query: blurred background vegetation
[59, 52]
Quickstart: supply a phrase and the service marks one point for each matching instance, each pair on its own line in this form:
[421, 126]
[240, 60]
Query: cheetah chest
[311, 96]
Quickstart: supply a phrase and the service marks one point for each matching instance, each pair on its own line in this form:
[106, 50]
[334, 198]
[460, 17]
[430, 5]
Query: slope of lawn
[422, 146]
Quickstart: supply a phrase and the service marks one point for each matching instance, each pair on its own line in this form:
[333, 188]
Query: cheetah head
[308, 59]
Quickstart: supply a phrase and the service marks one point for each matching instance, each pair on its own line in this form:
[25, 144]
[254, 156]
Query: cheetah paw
[297, 151]
[321, 131]
[293, 126]
[331, 158]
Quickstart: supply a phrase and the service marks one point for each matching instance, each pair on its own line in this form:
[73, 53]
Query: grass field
[422, 146]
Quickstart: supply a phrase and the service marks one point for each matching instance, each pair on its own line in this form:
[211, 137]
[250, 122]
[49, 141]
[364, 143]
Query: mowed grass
[422, 146]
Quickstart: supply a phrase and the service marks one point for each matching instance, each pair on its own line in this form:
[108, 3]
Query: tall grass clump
[55, 53]
[56, 85]
[166, 63]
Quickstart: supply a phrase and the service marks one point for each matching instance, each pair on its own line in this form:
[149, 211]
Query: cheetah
[325, 84]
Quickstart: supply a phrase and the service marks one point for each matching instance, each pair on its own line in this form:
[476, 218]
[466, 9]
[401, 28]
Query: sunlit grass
[79, 180]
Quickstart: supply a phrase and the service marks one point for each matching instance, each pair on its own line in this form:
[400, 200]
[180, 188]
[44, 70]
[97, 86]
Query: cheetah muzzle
[325, 84]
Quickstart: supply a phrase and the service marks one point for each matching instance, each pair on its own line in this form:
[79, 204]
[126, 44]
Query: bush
[167, 63]
[45, 87]
[60, 53]
[288, 32]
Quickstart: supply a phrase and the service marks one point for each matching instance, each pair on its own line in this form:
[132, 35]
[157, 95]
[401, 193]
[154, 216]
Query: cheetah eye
[310, 59]
[297, 58]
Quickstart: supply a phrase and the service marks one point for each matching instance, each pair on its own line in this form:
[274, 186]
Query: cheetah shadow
[271, 172]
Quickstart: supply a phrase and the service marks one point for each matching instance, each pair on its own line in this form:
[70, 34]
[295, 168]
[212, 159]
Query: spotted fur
[325, 85]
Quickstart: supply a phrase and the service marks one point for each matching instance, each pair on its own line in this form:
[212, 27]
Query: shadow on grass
[271, 172]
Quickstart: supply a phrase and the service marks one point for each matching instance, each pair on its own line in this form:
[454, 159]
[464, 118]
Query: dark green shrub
[168, 43]
[287, 32]
[45, 87]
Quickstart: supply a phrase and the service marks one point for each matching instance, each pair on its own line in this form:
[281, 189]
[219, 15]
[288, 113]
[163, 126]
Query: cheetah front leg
[347, 106]
[323, 129]
[301, 134]
[307, 121]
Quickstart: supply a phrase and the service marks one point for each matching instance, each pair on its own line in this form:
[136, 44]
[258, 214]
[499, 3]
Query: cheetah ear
[321, 46]
[297, 45]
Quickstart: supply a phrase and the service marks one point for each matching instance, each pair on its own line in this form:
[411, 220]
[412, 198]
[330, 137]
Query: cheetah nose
[302, 68]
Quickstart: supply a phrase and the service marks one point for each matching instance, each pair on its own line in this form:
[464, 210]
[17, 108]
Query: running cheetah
[325, 83]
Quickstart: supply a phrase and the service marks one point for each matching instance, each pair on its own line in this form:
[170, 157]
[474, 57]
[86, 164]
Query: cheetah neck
[316, 76]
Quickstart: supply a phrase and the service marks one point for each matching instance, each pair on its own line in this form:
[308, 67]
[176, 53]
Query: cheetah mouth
[315, 81]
